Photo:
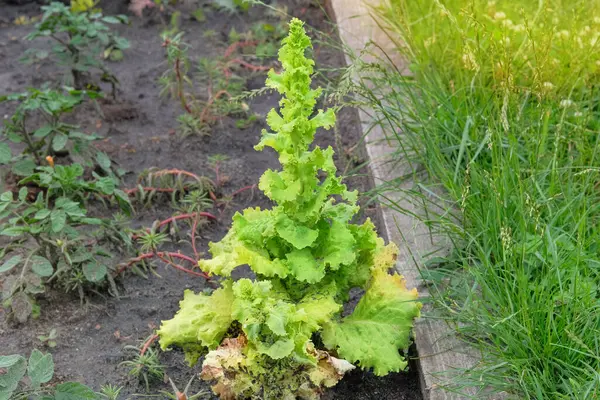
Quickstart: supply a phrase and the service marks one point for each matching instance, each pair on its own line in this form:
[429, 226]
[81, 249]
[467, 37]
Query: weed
[196, 201]
[50, 339]
[144, 364]
[215, 74]
[173, 182]
[151, 240]
[48, 135]
[83, 41]
[63, 250]
[177, 395]
[38, 370]
[190, 125]
[110, 392]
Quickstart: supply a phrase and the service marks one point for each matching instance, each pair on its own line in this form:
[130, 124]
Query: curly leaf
[201, 319]
[379, 326]
[304, 266]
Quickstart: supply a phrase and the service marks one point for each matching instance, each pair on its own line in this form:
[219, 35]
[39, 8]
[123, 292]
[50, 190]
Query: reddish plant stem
[134, 261]
[180, 93]
[240, 44]
[211, 101]
[133, 191]
[181, 268]
[242, 190]
[147, 344]
[249, 66]
[161, 255]
[185, 216]
[194, 227]
[175, 171]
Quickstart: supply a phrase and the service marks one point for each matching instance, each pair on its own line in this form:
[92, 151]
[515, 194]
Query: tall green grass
[501, 109]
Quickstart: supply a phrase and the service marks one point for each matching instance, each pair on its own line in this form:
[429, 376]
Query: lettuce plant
[283, 335]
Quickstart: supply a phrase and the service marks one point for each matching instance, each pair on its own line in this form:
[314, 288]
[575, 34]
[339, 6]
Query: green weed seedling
[177, 184]
[179, 83]
[37, 124]
[144, 364]
[283, 334]
[110, 392]
[67, 181]
[49, 340]
[26, 379]
[83, 40]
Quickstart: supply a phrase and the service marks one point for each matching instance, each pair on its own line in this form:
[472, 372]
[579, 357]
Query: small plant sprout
[144, 364]
[83, 41]
[177, 395]
[110, 391]
[307, 256]
[50, 339]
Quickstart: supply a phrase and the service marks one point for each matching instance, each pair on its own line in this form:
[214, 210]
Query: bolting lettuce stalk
[306, 255]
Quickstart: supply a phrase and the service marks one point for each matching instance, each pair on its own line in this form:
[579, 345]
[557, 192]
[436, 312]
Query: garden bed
[139, 131]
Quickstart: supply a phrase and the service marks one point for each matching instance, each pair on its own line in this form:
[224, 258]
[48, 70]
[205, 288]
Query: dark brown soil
[139, 132]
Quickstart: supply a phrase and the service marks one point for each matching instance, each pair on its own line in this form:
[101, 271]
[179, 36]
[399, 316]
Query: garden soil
[139, 133]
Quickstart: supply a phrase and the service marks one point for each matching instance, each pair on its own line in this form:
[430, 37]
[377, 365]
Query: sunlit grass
[501, 109]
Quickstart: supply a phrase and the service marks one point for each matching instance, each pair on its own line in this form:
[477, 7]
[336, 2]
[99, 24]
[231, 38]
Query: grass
[500, 110]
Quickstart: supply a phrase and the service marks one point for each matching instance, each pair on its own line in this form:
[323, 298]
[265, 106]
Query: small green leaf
[42, 214]
[59, 142]
[24, 167]
[103, 160]
[111, 20]
[14, 367]
[58, 219]
[94, 272]
[14, 231]
[5, 154]
[43, 132]
[74, 391]
[40, 368]
[123, 200]
[116, 55]
[6, 197]
[72, 208]
[41, 266]
[91, 221]
[10, 264]
[23, 192]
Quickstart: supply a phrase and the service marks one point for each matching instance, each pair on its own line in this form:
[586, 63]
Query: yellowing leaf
[200, 322]
[82, 5]
[379, 326]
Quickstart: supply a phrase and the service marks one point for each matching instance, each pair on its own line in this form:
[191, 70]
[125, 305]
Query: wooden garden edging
[440, 353]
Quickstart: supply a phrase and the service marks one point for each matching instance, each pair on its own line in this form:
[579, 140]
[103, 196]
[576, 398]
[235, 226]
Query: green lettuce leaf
[379, 326]
[200, 322]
